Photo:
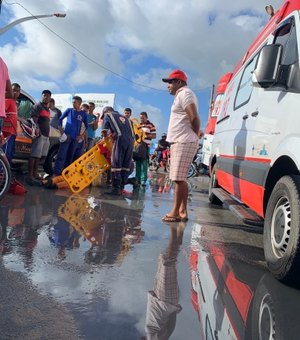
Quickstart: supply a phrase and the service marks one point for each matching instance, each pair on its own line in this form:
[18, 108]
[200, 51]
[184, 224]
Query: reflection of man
[163, 301]
[64, 237]
[109, 245]
[183, 132]
[121, 155]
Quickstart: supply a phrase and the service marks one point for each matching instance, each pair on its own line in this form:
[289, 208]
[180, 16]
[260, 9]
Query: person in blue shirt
[73, 135]
[93, 121]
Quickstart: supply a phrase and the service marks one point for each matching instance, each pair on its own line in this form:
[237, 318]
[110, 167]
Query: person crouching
[123, 137]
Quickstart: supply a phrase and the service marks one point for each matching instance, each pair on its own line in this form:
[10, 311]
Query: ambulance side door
[276, 115]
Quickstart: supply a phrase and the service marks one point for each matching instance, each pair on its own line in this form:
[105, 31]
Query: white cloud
[203, 38]
[152, 78]
[154, 114]
[246, 22]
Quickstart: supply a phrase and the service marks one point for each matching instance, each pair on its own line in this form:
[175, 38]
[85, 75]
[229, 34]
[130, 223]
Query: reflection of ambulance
[234, 300]
[212, 118]
[256, 148]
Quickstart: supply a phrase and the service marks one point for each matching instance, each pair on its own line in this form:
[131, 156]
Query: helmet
[164, 135]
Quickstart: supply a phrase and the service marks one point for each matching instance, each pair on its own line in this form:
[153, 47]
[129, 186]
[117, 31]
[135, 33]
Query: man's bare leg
[180, 199]
[183, 205]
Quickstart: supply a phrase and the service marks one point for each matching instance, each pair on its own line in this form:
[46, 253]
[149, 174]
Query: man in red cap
[183, 135]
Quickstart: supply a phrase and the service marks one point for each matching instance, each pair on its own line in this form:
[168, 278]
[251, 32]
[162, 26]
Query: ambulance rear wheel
[282, 230]
[213, 183]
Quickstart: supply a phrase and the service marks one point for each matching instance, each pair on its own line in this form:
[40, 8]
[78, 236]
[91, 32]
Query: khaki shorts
[40, 147]
[182, 155]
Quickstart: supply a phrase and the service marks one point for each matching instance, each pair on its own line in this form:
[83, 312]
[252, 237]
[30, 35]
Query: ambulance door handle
[245, 117]
[254, 114]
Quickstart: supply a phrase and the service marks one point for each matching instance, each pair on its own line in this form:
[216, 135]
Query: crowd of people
[78, 136]
[77, 126]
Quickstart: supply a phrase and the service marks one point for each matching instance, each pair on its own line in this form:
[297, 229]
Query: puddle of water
[96, 255]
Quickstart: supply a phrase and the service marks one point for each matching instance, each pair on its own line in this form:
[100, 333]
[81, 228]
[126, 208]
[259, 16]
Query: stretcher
[89, 166]
[139, 133]
[94, 162]
[83, 218]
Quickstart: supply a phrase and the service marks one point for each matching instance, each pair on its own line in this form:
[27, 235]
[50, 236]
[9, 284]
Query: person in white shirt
[183, 135]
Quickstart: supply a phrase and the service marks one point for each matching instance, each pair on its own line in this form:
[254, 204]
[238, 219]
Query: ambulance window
[245, 86]
[286, 36]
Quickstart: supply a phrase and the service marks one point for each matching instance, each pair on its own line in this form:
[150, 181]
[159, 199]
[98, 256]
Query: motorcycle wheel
[153, 164]
[191, 171]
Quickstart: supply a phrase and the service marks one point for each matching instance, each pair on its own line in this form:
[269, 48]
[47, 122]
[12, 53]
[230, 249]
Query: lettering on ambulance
[224, 108]
[217, 105]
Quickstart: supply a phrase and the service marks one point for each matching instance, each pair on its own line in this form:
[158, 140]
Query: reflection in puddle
[163, 300]
[57, 229]
[98, 257]
[234, 300]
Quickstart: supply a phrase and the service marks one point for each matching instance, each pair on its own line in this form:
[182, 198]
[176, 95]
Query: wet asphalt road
[82, 266]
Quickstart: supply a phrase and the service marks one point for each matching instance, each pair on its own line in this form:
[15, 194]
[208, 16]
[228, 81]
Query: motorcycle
[197, 167]
[164, 163]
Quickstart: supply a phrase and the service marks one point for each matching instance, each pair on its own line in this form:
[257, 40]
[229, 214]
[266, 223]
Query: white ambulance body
[256, 148]
[212, 118]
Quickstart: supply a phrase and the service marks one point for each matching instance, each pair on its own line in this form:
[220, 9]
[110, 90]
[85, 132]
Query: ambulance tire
[213, 183]
[282, 230]
[266, 317]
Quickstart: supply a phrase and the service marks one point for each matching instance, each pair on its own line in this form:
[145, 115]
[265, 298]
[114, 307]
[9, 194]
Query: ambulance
[255, 160]
[212, 118]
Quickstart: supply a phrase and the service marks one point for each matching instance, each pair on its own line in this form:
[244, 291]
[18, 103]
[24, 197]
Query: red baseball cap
[176, 74]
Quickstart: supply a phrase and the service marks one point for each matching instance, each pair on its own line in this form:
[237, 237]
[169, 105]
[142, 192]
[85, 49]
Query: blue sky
[140, 40]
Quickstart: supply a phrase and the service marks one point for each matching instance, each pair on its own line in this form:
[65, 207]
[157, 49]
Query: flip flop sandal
[168, 218]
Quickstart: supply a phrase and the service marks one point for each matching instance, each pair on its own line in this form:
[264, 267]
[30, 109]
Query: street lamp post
[33, 17]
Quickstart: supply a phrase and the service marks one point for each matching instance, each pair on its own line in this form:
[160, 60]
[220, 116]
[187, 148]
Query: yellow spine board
[88, 167]
[83, 218]
[138, 131]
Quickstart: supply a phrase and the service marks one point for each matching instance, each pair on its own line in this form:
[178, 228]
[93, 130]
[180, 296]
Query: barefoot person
[183, 135]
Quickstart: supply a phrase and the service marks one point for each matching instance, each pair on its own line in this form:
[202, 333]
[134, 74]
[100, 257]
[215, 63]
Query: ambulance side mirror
[267, 68]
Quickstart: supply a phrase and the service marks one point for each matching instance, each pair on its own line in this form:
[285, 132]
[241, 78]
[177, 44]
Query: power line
[83, 54]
